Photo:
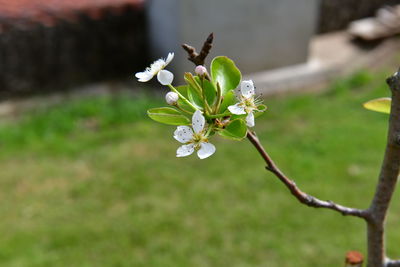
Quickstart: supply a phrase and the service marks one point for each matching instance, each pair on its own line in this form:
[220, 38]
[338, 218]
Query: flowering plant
[218, 102]
[214, 102]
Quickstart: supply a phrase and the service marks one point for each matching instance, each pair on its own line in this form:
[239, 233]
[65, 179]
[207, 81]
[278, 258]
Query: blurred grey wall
[257, 34]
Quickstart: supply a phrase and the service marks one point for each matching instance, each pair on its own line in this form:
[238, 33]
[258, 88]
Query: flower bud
[171, 98]
[200, 70]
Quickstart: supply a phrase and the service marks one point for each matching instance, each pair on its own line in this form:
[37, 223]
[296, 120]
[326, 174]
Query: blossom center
[197, 139]
[248, 104]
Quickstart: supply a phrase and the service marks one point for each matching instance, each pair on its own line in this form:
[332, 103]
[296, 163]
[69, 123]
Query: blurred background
[86, 179]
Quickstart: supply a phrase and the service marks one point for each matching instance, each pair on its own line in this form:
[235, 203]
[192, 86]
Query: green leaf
[225, 72]
[260, 110]
[235, 130]
[193, 91]
[210, 91]
[229, 99]
[191, 81]
[380, 104]
[183, 105]
[168, 116]
[182, 89]
[194, 97]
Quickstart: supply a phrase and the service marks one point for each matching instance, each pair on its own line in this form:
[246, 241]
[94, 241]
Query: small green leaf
[229, 99]
[210, 91]
[182, 89]
[194, 97]
[183, 105]
[168, 116]
[193, 90]
[260, 110]
[191, 81]
[379, 104]
[235, 130]
[225, 72]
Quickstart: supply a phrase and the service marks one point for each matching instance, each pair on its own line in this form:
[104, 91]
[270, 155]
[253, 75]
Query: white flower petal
[250, 120]
[157, 65]
[144, 76]
[198, 121]
[238, 93]
[237, 109]
[183, 134]
[185, 150]
[169, 58]
[247, 88]
[206, 150]
[165, 77]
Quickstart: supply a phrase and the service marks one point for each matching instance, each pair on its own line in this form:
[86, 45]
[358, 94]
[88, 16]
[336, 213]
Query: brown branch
[199, 59]
[296, 192]
[375, 215]
[386, 183]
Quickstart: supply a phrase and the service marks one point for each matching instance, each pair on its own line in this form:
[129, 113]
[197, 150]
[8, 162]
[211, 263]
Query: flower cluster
[209, 103]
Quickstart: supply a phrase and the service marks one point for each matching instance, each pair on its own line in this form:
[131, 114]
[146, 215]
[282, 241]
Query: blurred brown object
[30, 9]
[336, 15]
[386, 23]
[354, 259]
[54, 45]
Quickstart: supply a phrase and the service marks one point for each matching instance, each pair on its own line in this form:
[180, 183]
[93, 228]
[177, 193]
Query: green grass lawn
[95, 183]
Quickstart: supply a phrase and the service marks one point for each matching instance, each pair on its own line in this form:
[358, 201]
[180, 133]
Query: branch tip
[199, 58]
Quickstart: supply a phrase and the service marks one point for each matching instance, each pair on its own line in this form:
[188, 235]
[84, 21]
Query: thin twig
[300, 195]
[199, 58]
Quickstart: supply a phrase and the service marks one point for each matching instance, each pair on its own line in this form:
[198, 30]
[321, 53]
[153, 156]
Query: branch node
[307, 198]
[394, 81]
[269, 168]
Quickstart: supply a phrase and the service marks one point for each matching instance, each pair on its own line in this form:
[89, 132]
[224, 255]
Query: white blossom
[165, 77]
[171, 98]
[193, 138]
[247, 103]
